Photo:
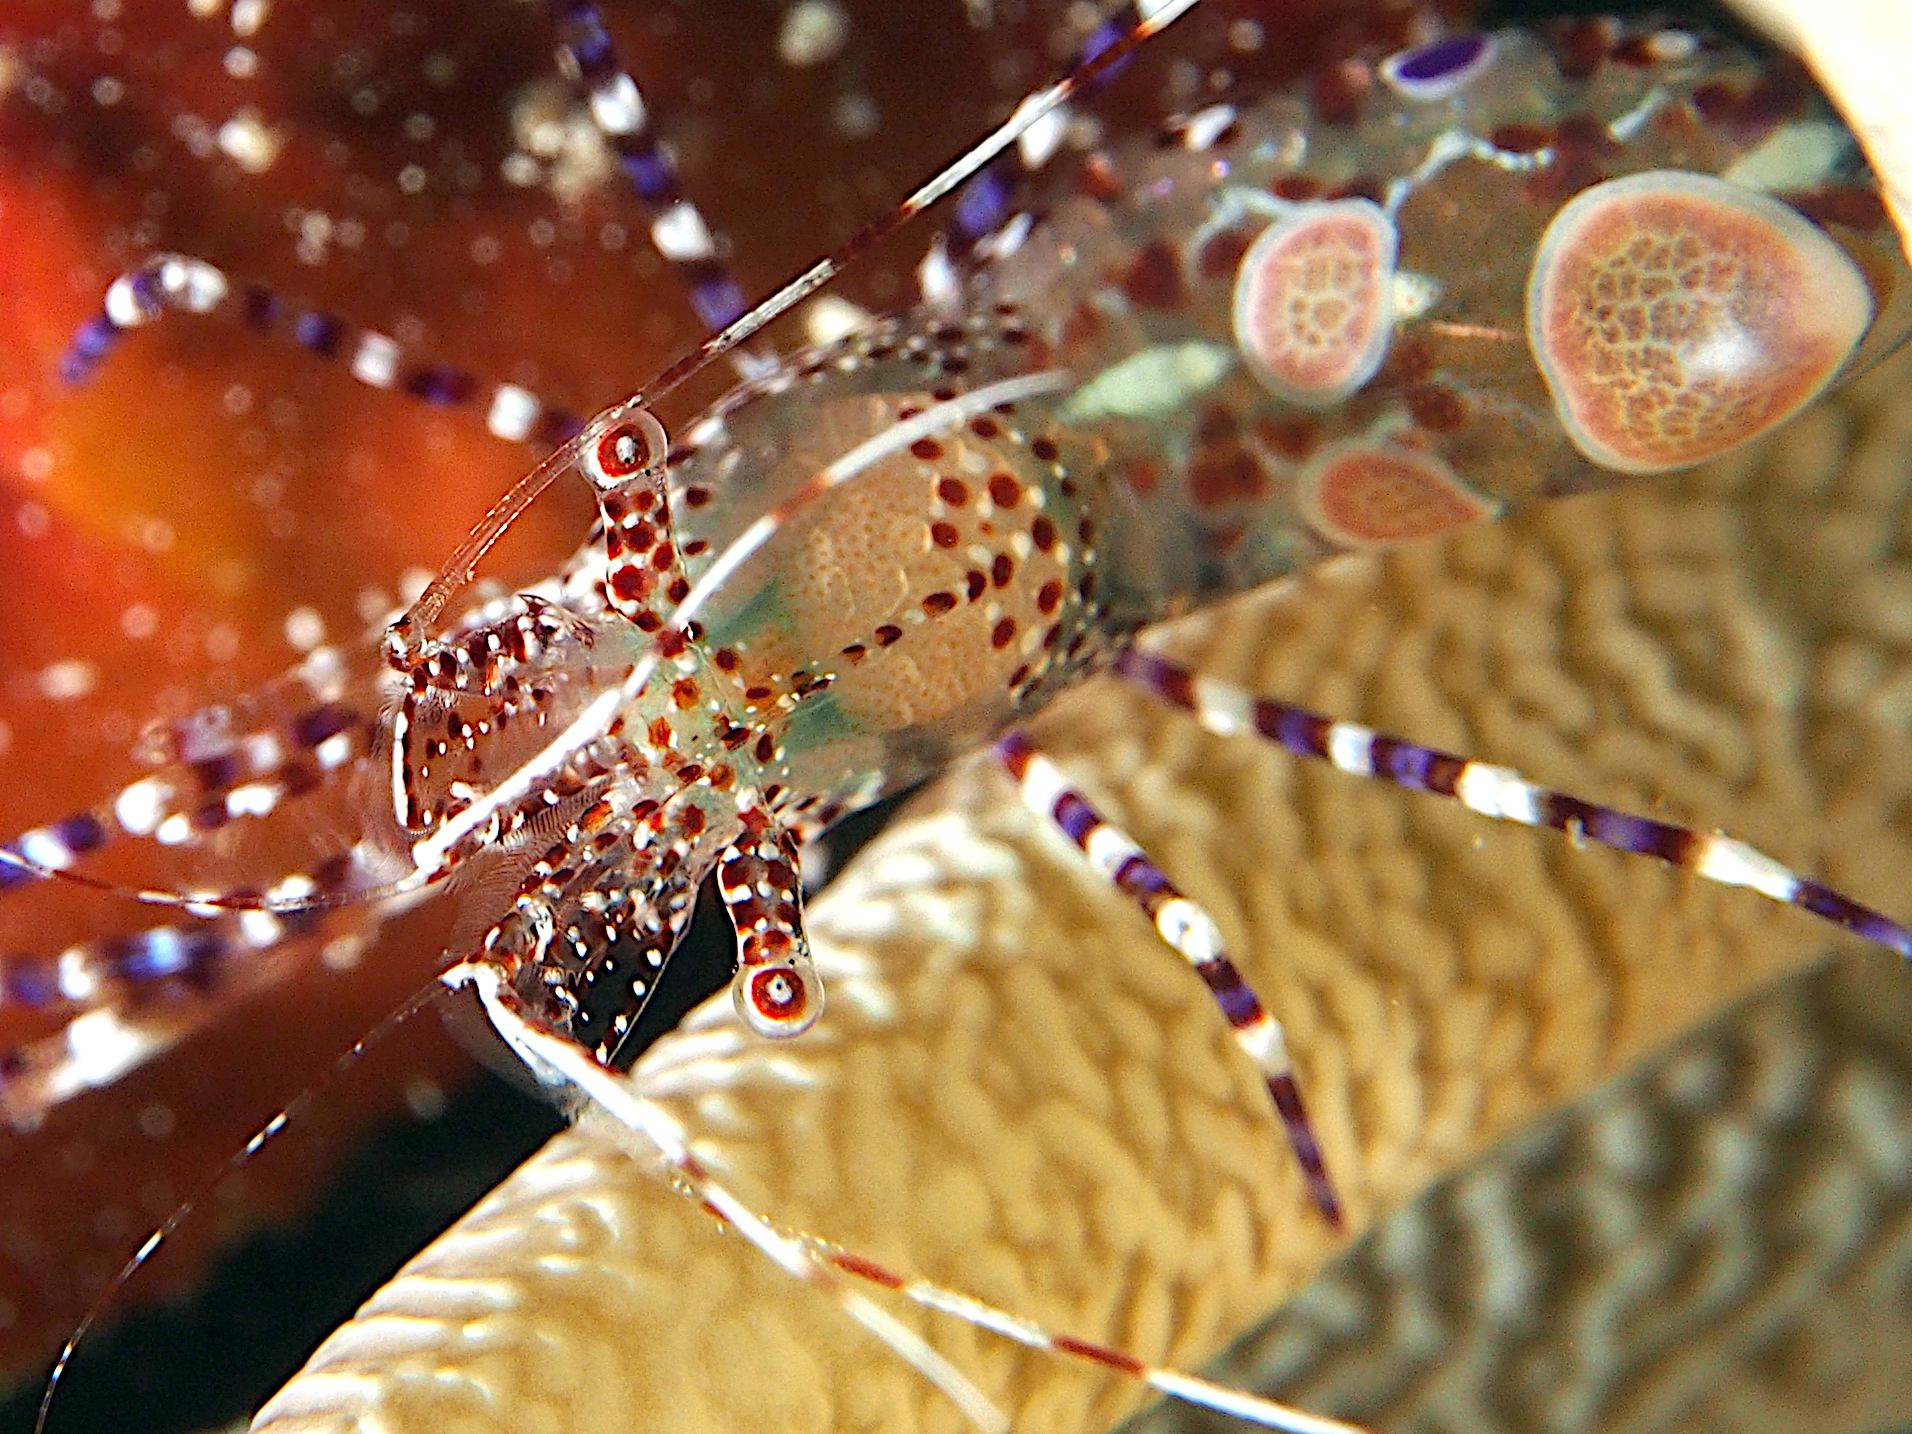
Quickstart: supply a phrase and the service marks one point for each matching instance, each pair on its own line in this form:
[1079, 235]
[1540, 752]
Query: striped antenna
[679, 232]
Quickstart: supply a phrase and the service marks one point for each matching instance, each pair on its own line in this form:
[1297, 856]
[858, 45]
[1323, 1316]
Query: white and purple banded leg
[1501, 794]
[1187, 929]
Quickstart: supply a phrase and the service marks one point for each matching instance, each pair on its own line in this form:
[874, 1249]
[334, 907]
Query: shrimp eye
[621, 452]
[778, 999]
[626, 448]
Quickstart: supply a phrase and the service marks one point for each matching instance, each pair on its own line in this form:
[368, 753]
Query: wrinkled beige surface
[1018, 1090]
[1718, 1241]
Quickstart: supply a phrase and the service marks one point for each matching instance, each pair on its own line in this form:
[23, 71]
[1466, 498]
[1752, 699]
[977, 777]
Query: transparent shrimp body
[944, 585]
[1195, 364]
[609, 813]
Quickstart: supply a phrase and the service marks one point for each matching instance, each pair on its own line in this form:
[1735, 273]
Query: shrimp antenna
[291, 1111]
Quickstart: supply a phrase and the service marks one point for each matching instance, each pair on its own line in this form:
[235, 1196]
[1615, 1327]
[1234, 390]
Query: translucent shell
[1378, 495]
[1314, 300]
[1676, 315]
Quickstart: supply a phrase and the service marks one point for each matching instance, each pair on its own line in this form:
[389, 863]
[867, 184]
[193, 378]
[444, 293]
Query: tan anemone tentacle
[1019, 1092]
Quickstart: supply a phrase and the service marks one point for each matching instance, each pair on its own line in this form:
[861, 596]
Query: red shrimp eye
[621, 452]
[634, 442]
[779, 999]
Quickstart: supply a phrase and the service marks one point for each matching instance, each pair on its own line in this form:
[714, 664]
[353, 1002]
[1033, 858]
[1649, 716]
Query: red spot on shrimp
[1154, 279]
[1113, 1358]
[1221, 255]
[866, 1270]
[1339, 90]
[1436, 407]
[1290, 438]
[1584, 154]
[1582, 47]
[1230, 475]
[631, 584]
[1849, 205]
[1521, 137]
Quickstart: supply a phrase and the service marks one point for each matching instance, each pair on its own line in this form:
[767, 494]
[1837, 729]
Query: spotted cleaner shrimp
[1427, 489]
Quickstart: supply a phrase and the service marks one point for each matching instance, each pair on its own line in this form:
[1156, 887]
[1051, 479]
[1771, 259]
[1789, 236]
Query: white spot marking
[376, 362]
[1498, 792]
[1109, 850]
[43, 848]
[1189, 929]
[1733, 863]
[1224, 709]
[681, 235]
[617, 107]
[101, 1048]
[139, 808]
[513, 411]
[1351, 748]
